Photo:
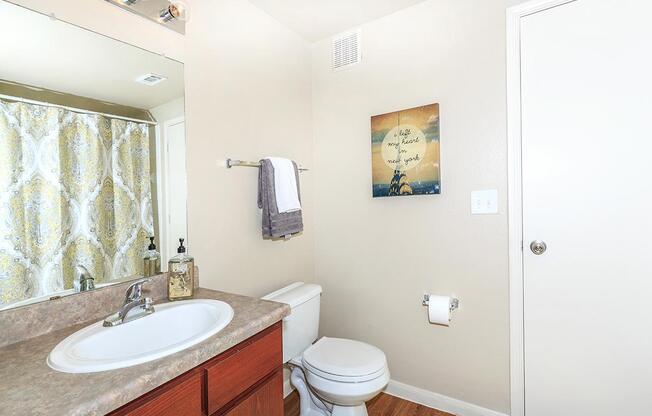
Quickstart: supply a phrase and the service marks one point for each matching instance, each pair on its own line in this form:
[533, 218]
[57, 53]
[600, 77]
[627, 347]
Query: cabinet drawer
[243, 367]
[266, 400]
[180, 397]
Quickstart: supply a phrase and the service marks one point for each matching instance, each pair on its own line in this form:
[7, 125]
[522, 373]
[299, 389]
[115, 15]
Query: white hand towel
[285, 185]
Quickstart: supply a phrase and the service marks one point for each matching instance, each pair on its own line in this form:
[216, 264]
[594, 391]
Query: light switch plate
[484, 202]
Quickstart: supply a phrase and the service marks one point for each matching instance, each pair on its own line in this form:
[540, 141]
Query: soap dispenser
[181, 278]
[151, 260]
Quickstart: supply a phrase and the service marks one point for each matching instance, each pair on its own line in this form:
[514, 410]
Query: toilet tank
[301, 327]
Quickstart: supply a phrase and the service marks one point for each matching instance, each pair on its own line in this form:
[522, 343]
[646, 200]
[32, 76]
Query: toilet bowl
[334, 376]
[342, 374]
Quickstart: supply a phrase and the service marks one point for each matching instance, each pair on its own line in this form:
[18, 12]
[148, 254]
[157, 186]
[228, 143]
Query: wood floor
[382, 405]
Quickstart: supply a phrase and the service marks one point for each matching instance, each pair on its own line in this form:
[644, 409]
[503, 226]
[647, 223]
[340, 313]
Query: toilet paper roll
[439, 310]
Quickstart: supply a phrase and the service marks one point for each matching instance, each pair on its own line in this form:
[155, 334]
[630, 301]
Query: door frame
[514, 200]
[166, 240]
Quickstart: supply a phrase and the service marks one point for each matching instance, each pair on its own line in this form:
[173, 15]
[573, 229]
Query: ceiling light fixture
[128, 2]
[176, 10]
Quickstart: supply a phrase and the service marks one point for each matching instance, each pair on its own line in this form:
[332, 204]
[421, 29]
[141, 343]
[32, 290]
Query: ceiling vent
[151, 79]
[347, 50]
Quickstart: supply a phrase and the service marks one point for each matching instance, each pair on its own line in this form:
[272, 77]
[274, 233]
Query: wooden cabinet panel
[264, 400]
[245, 380]
[180, 397]
[234, 373]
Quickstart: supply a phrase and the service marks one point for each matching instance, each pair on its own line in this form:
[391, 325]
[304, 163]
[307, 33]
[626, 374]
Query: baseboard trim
[437, 401]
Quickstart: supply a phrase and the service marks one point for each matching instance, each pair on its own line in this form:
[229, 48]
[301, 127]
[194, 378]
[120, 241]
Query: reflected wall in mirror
[92, 157]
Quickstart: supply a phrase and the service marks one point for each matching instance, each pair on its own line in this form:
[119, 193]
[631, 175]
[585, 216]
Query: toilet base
[311, 405]
[360, 410]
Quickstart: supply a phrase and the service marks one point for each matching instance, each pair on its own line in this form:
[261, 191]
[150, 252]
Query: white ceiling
[46, 53]
[317, 19]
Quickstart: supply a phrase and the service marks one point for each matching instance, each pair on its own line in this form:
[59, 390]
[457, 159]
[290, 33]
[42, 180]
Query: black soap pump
[151, 260]
[181, 278]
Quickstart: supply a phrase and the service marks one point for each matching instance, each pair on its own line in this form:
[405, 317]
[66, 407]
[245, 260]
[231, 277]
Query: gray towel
[275, 224]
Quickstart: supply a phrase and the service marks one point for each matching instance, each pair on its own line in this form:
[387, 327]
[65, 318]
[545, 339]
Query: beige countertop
[29, 387]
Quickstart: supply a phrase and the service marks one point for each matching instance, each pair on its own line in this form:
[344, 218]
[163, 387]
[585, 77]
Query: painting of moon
[405, 152]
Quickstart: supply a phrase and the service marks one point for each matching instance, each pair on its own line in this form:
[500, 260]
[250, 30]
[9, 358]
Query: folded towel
[285, 184]
[276, 224]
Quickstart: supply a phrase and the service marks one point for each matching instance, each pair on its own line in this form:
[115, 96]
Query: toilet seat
[344, 360]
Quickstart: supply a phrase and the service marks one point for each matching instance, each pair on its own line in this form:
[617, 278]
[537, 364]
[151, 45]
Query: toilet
[334, 376]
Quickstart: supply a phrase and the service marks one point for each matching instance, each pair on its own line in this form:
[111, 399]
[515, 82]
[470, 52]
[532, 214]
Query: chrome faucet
[133, 300]
[84, 280]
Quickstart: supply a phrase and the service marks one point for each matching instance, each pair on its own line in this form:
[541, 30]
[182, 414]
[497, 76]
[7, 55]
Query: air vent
[151, 79]
[346, 50]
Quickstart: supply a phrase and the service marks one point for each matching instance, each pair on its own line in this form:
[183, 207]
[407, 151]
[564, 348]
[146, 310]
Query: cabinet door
[265, 400]
[180, 397]
[243, 367]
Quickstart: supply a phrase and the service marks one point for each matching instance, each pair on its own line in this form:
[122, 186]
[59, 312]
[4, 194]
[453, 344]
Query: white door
[586, 71]
[176, 185]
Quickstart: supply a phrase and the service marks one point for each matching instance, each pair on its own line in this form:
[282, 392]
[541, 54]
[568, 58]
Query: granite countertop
[29, 387]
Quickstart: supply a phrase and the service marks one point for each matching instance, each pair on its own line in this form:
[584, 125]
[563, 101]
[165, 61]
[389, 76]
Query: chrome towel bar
[234, 162]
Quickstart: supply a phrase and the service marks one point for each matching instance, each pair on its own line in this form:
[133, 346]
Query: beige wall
[168, 111]
[247, 96]
[376, 257]
[510, 3]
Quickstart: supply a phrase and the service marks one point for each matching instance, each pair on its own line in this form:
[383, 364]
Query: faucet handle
[135, 290]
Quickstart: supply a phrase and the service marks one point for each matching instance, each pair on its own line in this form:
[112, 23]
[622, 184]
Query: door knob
[538, 247]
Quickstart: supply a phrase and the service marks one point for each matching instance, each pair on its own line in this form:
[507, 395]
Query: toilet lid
[345, 359]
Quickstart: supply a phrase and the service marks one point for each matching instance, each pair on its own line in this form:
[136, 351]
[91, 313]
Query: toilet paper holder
[455, 303]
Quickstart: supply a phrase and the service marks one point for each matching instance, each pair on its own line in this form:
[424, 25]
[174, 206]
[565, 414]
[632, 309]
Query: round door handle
[538, 247]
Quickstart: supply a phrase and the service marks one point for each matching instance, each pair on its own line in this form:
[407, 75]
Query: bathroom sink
[173, 327]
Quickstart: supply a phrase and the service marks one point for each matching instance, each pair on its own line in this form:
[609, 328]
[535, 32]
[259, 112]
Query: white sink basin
[171, 328]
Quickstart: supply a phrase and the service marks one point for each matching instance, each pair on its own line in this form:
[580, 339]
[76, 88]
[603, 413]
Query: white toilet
[333, 376]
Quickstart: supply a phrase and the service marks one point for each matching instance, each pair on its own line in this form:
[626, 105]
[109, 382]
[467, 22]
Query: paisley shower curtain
[74, 189]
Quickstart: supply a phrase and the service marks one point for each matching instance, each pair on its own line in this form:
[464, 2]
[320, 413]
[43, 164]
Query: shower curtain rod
[76, 110]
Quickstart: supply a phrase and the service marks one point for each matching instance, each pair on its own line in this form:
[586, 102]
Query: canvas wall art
[405, 152]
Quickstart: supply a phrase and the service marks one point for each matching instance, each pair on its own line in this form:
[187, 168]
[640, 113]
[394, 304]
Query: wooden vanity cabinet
[181, 397]
[246, 380]
[262, 400]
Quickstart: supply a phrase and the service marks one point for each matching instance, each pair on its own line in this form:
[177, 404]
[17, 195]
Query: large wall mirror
[92, 157]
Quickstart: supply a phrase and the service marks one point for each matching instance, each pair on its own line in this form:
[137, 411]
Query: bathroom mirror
[92, 157]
